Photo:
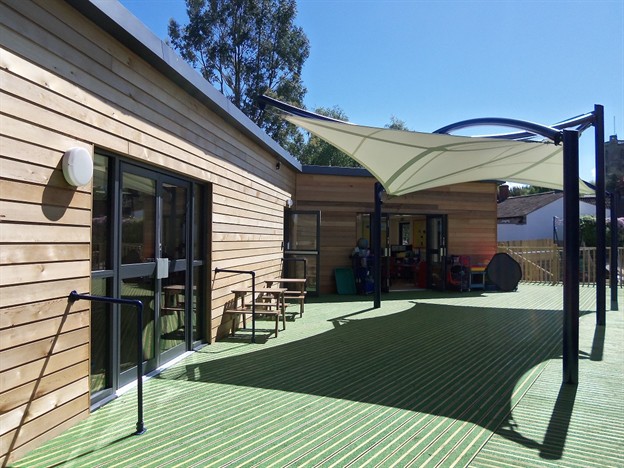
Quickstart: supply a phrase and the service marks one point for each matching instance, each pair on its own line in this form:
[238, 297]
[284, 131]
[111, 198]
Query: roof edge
[336, 170]
[115, 19]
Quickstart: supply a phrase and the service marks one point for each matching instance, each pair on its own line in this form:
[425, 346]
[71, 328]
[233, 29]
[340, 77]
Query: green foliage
[588, 231]
[246, 48]
[320, 153]
[520, 190]
[397, 124]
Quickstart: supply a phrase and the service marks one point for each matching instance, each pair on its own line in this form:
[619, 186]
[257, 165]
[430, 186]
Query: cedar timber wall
[471, 210]
[65, 83]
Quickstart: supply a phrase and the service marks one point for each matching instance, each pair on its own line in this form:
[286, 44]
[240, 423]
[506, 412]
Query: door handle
[162, 268]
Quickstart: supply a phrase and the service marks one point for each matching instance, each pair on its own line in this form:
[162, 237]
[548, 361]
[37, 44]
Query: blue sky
[431, 63]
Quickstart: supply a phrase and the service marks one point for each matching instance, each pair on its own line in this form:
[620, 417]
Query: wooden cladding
[471, 210]
[66, 82]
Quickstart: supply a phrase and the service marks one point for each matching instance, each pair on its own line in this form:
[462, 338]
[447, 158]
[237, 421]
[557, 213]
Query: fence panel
[541, 261]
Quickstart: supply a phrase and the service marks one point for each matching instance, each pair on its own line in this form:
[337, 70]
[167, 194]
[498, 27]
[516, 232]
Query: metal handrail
[253, 295]
[74, 296]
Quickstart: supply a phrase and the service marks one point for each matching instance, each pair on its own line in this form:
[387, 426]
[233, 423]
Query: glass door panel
[100, 338]
[436, 251]
[174, 309]
[138, 264]
[138, 219]
[141, 288]
[302, 241]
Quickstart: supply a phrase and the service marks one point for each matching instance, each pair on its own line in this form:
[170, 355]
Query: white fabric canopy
[406, 162]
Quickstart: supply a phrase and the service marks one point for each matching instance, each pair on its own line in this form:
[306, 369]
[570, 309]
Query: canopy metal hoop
[538, 129]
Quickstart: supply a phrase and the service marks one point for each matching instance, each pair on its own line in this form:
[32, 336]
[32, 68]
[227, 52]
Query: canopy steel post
[376, 238]
[601, 228]
[571, 257]
[614, 270]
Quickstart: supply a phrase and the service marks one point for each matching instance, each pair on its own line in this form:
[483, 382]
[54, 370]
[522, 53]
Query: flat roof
[120, 23]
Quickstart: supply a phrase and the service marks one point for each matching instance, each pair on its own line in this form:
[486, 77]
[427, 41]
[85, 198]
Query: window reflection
[138, 224]
[100, 214]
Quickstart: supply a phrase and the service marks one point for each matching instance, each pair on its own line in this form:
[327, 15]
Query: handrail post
[253, 295]
[74, 296]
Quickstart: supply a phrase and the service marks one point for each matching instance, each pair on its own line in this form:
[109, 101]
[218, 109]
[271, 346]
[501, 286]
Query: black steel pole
[614, 270]
[376, 238]
[571, 257]
[601, 226]
[74, 296]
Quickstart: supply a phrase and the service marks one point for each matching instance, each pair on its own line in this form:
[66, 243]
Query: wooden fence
[542, 261]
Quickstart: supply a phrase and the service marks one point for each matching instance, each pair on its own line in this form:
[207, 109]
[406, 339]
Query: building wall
[539, 224]
[65, 83]
[471, 210]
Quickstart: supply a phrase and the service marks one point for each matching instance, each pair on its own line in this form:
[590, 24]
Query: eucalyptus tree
[318, 152]
[246, 48]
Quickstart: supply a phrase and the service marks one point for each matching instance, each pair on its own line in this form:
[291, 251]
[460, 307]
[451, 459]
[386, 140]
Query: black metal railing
[74, 296]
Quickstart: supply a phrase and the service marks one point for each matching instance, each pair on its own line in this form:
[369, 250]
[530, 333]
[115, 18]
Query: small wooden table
[298, 294]
[249, 308]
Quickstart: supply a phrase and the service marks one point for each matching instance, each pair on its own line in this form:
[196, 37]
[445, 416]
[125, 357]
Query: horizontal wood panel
[23, 334]
[42, 405]
[22, 140]
[36, 311]
[42, 367]
[41, 272]
[29, 436]
[276, 251]
[26, 293]
[46, 384]
[14, 254]
[251, 223]
[16, 356]
[18, 233]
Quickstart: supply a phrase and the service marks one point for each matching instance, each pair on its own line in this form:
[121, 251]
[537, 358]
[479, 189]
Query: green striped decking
[430, 379]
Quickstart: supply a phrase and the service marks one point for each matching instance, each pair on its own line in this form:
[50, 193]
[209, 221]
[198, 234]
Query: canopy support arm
[264, 100]
[535, 128]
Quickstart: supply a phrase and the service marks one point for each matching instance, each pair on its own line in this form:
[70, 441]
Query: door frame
[296, 253]
[149, 269]
[437, 246]
[111, 271]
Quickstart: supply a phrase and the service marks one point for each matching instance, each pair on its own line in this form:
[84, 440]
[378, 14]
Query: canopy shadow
[463, 363]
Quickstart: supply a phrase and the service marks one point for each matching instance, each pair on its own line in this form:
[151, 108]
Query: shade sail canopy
[405, 161]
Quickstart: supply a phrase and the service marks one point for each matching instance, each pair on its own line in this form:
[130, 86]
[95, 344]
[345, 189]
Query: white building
[537, 216]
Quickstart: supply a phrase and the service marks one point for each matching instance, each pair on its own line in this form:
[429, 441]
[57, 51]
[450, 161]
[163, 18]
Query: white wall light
[77, 166]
